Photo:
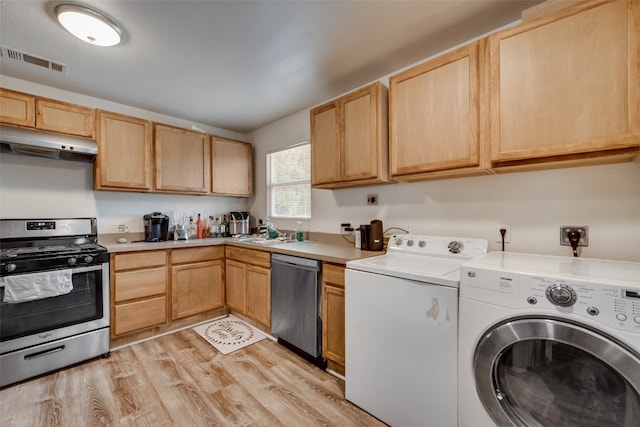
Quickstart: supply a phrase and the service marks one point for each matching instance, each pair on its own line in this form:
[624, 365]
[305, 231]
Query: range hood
[39, 143]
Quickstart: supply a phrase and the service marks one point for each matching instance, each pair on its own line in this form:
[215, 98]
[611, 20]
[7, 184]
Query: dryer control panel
[614, 305]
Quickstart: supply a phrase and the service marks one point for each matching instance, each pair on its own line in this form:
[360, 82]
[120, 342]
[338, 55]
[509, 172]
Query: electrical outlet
[372, 199]
[345, 228]
[507, 235]
[584, 234]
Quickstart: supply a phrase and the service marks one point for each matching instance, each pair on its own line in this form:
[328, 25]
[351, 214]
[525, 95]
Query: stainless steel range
[54, 296]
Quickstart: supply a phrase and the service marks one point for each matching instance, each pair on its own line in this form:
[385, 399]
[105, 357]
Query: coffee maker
[156, 227]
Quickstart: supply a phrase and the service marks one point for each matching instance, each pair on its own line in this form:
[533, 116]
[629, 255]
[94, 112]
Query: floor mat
[229, 334]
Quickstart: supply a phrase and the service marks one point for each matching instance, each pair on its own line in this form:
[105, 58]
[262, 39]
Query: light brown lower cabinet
[197, 280]
[333, 342]
[139, 285]
[248, 283]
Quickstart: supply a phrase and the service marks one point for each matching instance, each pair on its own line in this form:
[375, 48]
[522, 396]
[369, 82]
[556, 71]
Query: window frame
[270, 186]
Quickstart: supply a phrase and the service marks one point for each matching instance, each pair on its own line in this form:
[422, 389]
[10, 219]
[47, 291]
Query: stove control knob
[88, 259]
[10, 267]
[455, 247]
[562, 295]
[422, 244]
[72, 261]
[398, 241]
[409, 242]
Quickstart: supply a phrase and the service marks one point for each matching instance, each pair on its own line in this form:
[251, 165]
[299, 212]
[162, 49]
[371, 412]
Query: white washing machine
[401, 312]
[549, 341]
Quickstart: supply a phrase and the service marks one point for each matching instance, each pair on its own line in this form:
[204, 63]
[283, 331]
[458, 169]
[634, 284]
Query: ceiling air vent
[18, 55]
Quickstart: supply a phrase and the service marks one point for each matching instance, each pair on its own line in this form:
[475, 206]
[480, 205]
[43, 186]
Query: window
[289, 182]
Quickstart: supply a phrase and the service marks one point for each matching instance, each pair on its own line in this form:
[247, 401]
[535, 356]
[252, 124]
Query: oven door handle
[75, 270]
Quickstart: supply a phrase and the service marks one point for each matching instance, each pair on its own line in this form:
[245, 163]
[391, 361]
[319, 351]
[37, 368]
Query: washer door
[551, 372]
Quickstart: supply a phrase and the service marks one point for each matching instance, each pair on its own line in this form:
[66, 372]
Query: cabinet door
[182, 160]
[141, 314]
[231, 167]
[124, 152]
[325, 145]
[196, 288]
[235, 286]
[566, 84]
[360, 151]
[333, 341]
[259, 294]
[56, 116]
[435, 116]
[17, 108]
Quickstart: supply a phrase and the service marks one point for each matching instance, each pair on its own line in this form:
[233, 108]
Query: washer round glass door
[551, 372]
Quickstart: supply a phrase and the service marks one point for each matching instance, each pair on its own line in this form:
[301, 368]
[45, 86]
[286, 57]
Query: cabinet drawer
[333, 273]
[128, 261]
[188, 255]
[249, 256]
[65, 118]
[17, 108]
[140, 283]
[140, 314]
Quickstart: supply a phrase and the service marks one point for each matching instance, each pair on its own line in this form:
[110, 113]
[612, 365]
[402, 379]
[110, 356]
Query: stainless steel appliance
[295, 305]
[46, 144]
[54, 296]
[156, 227]
[239, 223]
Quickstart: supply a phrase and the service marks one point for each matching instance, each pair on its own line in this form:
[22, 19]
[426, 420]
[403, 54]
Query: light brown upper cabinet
[349, 139]
[17, 108]
[124, 153]
[565, 88]
[21, 109]
[231, 167]
[182, 160]
[435, 117]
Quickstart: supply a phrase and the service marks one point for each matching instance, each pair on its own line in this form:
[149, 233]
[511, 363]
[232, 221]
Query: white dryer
[549, 341]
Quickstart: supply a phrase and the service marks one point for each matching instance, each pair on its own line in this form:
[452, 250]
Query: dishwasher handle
[298, 262]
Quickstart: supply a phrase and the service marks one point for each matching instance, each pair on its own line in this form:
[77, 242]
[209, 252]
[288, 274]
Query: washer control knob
[72, 261]
[88, 259]
[410, 242]
[10, 267]
[621, 317]
[593, 311]
[422, 244]
[455, 247]
[562, 295]
[532, 300]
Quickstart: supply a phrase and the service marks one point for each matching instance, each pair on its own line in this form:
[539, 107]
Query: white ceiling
[239, 65]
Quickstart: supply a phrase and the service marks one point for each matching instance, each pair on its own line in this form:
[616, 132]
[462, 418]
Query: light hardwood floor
[181, 380]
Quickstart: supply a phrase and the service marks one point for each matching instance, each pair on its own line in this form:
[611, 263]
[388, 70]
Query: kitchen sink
[265, 241]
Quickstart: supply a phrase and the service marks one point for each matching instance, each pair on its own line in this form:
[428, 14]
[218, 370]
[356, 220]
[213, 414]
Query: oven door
[85, 308]
[552, 372]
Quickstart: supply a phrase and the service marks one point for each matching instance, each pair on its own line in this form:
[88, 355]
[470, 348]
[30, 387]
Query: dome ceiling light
[88, 25]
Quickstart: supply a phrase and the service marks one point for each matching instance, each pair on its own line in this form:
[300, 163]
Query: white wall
[33, 187]
[535, 204]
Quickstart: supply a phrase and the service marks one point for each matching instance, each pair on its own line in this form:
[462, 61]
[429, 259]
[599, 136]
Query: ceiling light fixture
[88, 25]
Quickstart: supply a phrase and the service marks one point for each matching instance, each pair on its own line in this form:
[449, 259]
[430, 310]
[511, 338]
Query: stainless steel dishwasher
[296, 296]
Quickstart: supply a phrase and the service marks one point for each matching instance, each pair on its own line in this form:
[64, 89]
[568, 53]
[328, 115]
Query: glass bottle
[192, 230]
[199, 227]
[225, 226]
